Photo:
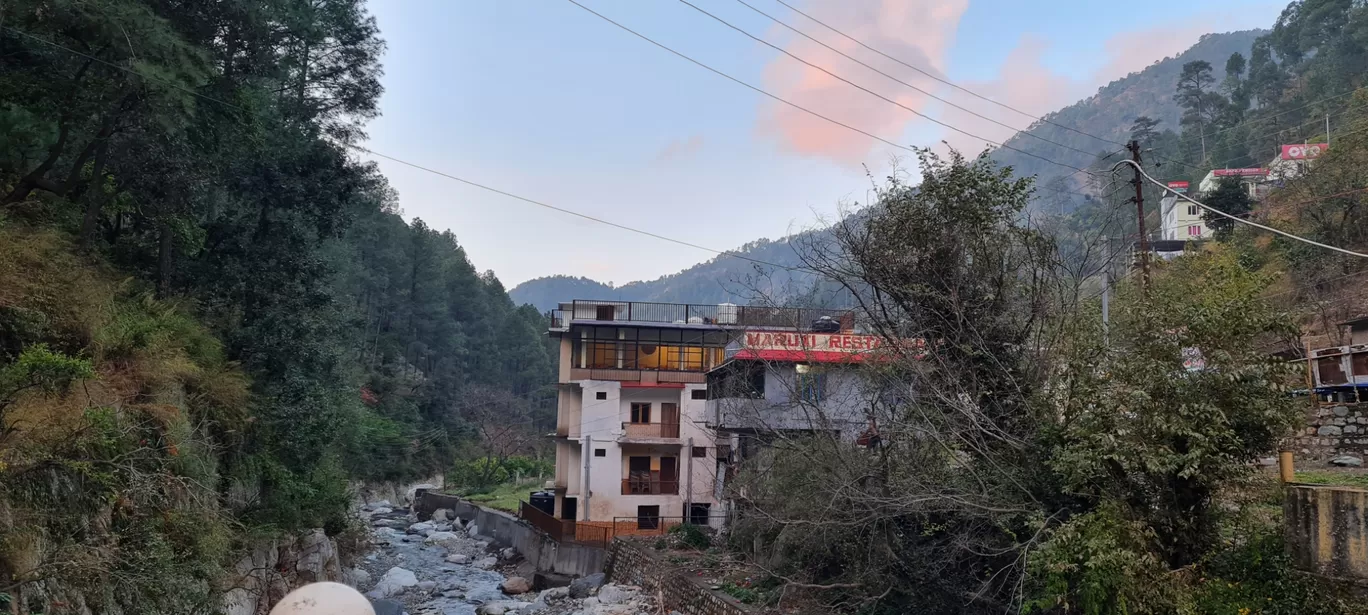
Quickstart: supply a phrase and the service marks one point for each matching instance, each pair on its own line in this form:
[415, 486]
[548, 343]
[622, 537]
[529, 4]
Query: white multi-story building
[1181, 220]
[633, 446]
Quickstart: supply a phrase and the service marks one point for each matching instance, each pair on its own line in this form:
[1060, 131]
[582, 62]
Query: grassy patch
[1326, 477]
[505, 496]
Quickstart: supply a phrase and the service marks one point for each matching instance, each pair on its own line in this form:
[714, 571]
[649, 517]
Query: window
[601, 395]
[641, 413]
[1194, 231]
[700, 451]
[600, 452]
[698, 394]
[1192, 210]
[699, 514]
[648, 517]
[811, 384]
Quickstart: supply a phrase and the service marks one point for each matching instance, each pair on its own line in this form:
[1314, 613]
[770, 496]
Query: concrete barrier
[1327, 530]
[506, 530]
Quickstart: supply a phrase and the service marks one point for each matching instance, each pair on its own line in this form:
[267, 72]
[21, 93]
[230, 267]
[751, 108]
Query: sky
[547, 101]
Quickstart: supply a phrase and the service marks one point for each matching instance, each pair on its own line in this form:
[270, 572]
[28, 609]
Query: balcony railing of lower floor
[642, 486]
[651, 430]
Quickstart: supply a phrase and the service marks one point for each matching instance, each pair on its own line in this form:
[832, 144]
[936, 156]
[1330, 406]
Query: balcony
[650, 431]
[645, 486]
[725, 316]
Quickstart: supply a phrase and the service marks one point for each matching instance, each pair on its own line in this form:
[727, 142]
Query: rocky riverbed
[443, 567]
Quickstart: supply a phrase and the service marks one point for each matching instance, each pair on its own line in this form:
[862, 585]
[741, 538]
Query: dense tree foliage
[202, 148]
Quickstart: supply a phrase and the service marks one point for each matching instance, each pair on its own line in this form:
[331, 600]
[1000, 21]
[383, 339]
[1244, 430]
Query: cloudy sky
[544, 99]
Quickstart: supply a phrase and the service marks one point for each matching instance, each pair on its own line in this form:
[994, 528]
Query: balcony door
[669, 420]
[669, 475]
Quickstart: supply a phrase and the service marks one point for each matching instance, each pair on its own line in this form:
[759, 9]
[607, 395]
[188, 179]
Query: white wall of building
[1181, 220]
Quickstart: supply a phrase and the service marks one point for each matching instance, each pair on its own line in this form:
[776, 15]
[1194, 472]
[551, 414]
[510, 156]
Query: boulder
[1347, 461]
[615, 594]
[472, 529]
[387, 607]
[554, 593]
[487, 563]
[382, 510]
[420, 527]
[442, 515]
[508, 554]
[500, 607]
[442, 539]
[458, 558]
[394, 582]
[358, 577]
[516, 585]
[413, 491]
[583, 587]
[427, 586]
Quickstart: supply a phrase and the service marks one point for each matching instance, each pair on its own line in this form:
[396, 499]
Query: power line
[891, 77]
[805, 109]
[1270, 229]
[420, 167]
[928, 74]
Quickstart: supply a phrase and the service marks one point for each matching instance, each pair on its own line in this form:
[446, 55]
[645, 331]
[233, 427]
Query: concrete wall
[1327, 530]
[506, 530]
[847, 396]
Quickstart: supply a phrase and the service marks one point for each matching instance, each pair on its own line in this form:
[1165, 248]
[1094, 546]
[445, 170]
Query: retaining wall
[1333, 430]
[629, 565]
[1327, 530]
[506, 530]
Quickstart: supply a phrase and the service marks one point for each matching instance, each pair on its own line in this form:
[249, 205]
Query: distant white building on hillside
[1181, 220]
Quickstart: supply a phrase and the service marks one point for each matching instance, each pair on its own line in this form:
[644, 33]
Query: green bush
[691, 535]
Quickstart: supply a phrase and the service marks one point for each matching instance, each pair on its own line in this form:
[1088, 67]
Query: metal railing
[694, 313]
[644, 486]
[651, 430]
[653, 525]
[565, 530]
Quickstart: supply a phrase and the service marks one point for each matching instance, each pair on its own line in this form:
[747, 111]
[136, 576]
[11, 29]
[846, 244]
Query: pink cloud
[919, 32]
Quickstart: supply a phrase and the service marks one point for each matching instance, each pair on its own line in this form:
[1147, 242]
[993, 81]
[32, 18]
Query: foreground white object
[323, 599]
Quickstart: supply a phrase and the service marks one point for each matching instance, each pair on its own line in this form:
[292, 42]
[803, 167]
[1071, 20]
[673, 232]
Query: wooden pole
[1285, 469]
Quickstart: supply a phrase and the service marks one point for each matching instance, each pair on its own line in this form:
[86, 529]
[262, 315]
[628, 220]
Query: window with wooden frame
[641, 413]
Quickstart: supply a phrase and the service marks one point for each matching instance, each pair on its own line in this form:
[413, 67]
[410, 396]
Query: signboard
[1179, 187]
[817, 347]
[1193, 360]
[1303, 151]
[1240, 172]
[825, 342]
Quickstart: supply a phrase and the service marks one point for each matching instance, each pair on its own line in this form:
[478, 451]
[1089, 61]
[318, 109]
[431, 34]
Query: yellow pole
[1285, 470]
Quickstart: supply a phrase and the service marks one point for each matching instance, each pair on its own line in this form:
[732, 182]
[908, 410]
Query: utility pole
[1106, 294]
[1327, 130]
[1138, 182]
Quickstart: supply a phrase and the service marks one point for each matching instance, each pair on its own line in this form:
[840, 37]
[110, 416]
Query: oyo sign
[1304, 151]
[1179, 187]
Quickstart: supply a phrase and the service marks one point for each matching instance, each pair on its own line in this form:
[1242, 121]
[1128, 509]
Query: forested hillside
[211, 315]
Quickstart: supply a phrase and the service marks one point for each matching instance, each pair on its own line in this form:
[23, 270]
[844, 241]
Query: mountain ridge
[1108, 113]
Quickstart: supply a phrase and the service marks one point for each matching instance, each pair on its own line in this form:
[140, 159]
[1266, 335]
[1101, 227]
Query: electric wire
[805, 109]
[1270, 229]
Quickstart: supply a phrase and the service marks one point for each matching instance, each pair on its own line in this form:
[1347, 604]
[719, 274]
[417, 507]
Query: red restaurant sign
[791, 346]
[1240, 172]
[1304, 151]
[1178, 186]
